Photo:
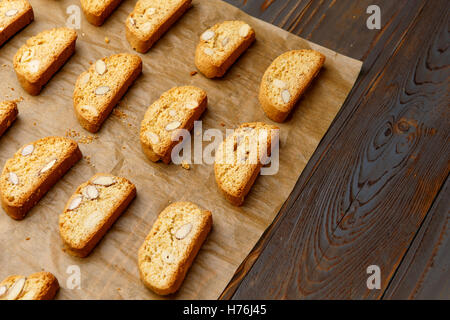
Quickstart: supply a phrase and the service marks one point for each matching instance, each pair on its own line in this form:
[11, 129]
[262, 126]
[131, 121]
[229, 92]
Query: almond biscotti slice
[92, 210]
[14, 16]
[240, 157]
[176, 109]
[42, 56]
[37, 286]
[171, 246]
[99, 89]
[8, 113]
[33, 170]
[97, 11]
[150, 19]
[285, 81]
[221, 45]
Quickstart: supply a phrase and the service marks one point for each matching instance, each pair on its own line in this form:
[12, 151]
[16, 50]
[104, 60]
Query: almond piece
[208, 51]
[102, 90]
[100, 67]
[89, 109]
[3, 290]
[279, 84]
[150, 11]
[183, 231]
[225, 41]
[191, 105]
[172, 113]
[208, 35]
[16, 289]
[244, 30]
[27, 150]
[75, 203]
[85, 78]
[13, 178]
[132, 21]
[153, 137]
[48, 166]
[286, 96]
[90, 192]
[11, 13]
[33, 65]
[104, 181]
[27, 55]
[146, 27]
[173, 125]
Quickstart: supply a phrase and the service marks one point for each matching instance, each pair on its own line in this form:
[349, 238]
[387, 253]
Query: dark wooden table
[376, 191]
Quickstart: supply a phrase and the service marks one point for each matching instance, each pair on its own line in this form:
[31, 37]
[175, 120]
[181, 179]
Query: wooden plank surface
[366, 191]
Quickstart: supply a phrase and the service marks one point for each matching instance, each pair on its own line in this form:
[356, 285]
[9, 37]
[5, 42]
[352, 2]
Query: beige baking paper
[111, 271]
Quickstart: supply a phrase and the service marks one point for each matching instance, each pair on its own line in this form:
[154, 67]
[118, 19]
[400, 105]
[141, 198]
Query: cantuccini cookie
[92, 210]
[33, 170]
[150, 19]
[14, 16]
[37, 286]
[8, 113]
[175, 110]
[42, 56]
[240, 157]
[99, 89]
[97, 11]
[171, 246]
[285, 81]
[221, 45]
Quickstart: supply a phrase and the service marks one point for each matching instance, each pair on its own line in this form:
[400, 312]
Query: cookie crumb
[193, 73]
[27, 238]
[222, 124]
[185, 165]
[106, 40]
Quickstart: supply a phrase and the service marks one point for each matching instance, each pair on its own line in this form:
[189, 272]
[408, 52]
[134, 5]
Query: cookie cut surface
[8, 113]
[14, 16]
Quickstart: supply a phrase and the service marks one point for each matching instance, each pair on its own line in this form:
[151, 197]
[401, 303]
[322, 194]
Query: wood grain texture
[423, 273]
[371, 182]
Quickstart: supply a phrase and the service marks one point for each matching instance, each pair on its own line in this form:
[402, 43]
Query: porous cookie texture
[92, 210]
[171, 246]
[8, 113]
[240, 157]
[37, 286]
[97, 11]
[285, 81]
[33, 170]
[42, 56]
[175, 110]
[221, 45]
[14, 16]
[99, 89]
[150, 19]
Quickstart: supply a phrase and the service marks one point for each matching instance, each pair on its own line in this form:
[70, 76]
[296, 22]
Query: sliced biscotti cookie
[37, 286]
[285, 81]
[171, 246]
[8, 113]
[99, 89]
[240, 157]
[33, 170]
[150, 19]
[221, 45]
[92, 210]
[42, 56]
[97, 11]
[14, 16]
[176, 109]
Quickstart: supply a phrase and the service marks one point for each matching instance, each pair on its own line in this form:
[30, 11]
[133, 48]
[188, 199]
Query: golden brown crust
[143, 45]
[9, 116]
[176, 279]
[18, 24]
[166, 155]
[95, 125]
[18, 210]
[97, 18]
[86, 247]
[34, 86]
[206, 65]
[280, 114]
[43, 284]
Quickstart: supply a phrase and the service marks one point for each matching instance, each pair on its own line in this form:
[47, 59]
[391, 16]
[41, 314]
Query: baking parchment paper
[111, 271]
